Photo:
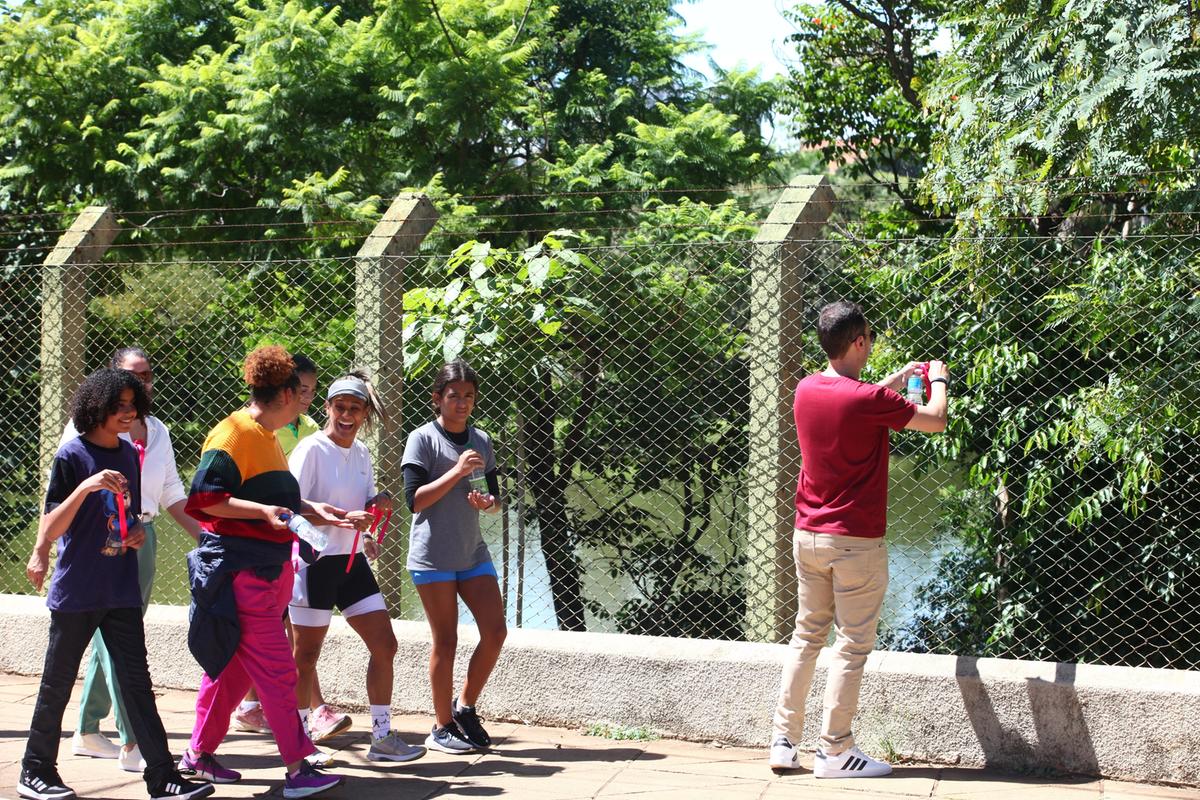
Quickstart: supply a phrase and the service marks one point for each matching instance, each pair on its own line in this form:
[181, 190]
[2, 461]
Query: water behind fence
[639, 397]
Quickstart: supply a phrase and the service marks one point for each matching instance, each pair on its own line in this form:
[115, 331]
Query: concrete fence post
[783, 244]
[379, 320]
[64, 304]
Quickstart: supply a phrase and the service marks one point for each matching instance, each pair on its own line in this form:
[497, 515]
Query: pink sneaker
[326, 722]
[253, 720]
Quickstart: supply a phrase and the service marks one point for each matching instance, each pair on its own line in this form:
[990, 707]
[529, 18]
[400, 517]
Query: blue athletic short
[423, 576]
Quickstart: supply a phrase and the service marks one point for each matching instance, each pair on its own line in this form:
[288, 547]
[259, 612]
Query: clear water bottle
[916, 389]
[317, 539]
[478, 479]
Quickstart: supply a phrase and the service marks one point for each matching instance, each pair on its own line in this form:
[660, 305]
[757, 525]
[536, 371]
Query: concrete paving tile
[984, 788]
[593, 753]
[1122, 790]
[703, 750]
[817, 791]
[756, 770]
[898, 784]
[554, 788]
[683, 760]
[717, 793]
[631, 780]
[904, 782]
[507, 767]
[536, 763]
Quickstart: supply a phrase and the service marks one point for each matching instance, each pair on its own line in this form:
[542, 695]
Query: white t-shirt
[342, 476]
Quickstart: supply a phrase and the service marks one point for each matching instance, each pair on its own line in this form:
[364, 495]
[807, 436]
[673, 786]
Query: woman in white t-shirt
[332, 466]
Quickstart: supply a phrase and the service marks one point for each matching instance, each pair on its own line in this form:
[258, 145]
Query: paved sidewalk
[534, 763]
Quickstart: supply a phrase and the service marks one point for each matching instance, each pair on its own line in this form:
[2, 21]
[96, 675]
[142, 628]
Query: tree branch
[901, 69]
[521, 27]
[863, 15]
[449, 39]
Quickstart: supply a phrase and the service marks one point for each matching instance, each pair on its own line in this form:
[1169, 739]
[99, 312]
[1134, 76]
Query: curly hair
[99, 396]
[268, 371]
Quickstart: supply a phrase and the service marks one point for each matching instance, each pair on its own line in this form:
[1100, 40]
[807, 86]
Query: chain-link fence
[640, 400]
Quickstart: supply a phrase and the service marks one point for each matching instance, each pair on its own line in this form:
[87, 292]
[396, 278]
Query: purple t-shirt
[85, 579]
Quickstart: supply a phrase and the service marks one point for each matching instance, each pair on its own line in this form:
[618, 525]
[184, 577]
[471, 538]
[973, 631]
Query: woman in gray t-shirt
[449, 477]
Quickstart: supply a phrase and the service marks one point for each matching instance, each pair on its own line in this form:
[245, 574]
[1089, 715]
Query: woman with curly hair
[241, 576]
[92, 504]
[162, 490]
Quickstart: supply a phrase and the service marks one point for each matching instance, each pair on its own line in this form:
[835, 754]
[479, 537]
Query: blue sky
[749, 31]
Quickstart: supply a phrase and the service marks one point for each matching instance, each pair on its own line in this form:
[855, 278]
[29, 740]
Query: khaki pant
[842, 580]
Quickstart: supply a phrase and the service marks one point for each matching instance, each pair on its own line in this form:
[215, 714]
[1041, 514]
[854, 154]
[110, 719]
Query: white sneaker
[321, 758]
[783, 754]
[852, 763]
[95, 745]
[393, 748]
[131, 760]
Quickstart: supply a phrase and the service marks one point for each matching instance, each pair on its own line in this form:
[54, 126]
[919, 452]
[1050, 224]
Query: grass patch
[607, 730]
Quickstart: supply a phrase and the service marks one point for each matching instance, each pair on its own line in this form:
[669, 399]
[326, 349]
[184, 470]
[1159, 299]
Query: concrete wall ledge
[1119, 722]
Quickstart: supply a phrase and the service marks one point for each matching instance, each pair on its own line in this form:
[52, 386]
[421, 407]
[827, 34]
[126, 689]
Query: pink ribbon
[121, 515]
[377, 514]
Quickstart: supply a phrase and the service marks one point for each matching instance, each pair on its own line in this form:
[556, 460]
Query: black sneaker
[175, 785]
[44, 784]
[468, 722]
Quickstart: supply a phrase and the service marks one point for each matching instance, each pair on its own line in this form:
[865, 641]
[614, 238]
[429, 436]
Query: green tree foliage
[563, 336]
[1044, 97]
[282, 127]
[1059, 136]
[855, 89]
[325, 109]
[1065, 301]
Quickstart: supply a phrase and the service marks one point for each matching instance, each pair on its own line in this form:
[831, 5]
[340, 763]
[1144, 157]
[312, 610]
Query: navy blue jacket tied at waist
[214, 631]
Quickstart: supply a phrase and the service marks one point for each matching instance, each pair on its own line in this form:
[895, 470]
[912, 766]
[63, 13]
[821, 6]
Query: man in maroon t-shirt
[841, 515]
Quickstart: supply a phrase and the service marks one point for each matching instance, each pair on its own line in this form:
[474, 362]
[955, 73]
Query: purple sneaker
[205, 767]
[308, 781]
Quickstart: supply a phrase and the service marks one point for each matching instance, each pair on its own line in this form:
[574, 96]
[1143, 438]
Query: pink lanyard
[378, 515]
[121, 515]
[140, 446]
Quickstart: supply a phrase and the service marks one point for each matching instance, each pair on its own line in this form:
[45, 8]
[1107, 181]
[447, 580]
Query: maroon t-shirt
[843, 426]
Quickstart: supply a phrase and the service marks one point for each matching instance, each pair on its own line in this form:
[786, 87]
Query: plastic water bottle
[916, 389]
[478, 479]
[317, 539]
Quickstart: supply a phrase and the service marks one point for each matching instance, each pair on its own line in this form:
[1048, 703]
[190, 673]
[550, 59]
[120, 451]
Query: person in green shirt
[290, 435]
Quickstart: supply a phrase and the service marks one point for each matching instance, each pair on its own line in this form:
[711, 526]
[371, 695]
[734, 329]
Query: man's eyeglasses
[870, 335]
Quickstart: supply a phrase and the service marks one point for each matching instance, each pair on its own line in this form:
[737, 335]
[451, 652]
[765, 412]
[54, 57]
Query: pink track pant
[264, 659]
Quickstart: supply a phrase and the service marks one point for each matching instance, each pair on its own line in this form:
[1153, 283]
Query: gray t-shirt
[445, 536]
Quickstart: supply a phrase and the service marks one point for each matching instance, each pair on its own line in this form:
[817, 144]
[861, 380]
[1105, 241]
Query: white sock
[381, 720]
[247, 706]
